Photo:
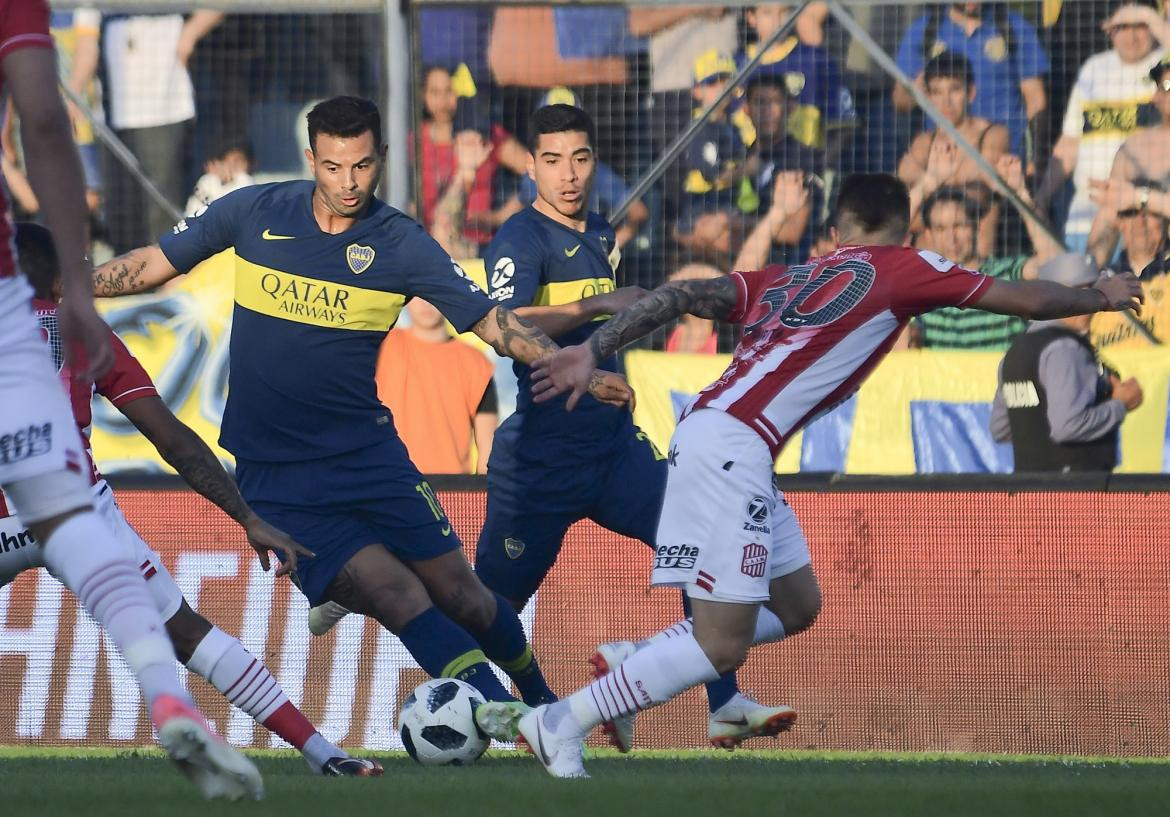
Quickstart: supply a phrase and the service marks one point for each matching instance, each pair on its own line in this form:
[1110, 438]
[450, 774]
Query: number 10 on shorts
[428, 493]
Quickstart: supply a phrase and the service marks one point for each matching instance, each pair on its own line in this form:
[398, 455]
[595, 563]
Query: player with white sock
[208, 651]
[737, 719]
[41, 456]
[812, 333]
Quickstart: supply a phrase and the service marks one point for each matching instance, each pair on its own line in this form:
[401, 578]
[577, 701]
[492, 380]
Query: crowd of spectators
[1067, 104]
[1044, 94]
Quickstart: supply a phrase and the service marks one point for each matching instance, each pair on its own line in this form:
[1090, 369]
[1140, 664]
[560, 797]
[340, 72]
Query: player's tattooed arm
[710, 298]
[136, 271]
[191, 458]
[515, 337]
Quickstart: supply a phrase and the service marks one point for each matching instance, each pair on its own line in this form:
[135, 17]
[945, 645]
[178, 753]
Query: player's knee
[469, 603]
[393, 607]
[801, 615]
[796, 600]
[727, 655]
[44, 501]
[187, 629]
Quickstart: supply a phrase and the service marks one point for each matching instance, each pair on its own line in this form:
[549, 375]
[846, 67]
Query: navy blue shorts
[338, 505]
[530, 506]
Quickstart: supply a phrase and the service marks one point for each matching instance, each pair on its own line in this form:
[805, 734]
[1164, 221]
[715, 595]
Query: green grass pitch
[95, 783]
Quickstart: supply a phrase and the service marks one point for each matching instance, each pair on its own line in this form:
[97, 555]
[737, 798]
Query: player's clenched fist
[609, 388]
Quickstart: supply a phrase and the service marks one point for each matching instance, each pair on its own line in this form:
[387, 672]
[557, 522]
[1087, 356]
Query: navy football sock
[444, 650]
[506, 646]
[726, 687]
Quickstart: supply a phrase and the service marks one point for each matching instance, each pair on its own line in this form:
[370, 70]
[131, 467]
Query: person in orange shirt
[440, 392]
[693, 335]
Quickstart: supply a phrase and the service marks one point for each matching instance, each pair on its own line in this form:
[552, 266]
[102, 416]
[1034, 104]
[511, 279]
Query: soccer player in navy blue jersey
[555, 263]
[323, 269]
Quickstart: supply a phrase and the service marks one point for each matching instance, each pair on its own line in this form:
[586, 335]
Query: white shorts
[19, 552]
[38, 435]
[725, 531]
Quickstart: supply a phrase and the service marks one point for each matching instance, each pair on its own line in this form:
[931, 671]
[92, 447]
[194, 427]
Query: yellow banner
[881, 432]
[920, 411]
[180, 336]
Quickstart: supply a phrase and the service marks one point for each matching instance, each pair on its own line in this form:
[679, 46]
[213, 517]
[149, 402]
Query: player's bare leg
[81, 552]
[795, 601]
[793, 607]
[377, 584]
[489, 617]
[222, 661]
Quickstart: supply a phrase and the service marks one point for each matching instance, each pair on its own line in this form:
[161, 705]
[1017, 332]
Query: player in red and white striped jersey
[211, 653]
[812, 333]
[41, 468]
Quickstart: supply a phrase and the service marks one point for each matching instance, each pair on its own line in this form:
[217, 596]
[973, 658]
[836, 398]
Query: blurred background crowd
[1062, 110]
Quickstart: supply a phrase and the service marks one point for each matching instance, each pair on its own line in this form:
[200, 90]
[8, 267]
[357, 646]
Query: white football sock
[769, 629]
[318, 751]
[84, 556]
[651, 676]
[239, 676]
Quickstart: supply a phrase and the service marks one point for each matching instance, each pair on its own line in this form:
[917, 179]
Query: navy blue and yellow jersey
[311, 310]
[535, 261]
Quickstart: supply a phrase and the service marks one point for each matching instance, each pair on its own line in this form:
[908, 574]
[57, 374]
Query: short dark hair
[345, 116]
[227, 144]
[37, 255]
[873, 203]
[951, 195]
[559, 118]
[949, 65]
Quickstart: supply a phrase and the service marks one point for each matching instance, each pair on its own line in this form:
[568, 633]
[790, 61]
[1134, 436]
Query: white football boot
[561, 752]
[216, 768]
[608, 656]
[742, 718]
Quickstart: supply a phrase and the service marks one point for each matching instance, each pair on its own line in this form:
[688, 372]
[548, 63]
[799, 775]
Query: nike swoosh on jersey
[268, 235]
[570, 253]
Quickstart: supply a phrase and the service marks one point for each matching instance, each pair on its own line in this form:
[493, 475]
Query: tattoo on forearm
[514, 336]
[202, 471]
[120, 276]
[711, 298]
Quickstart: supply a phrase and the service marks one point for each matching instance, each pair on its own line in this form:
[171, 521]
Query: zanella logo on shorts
[680, 556]
[755, 559]
[28, 442]
[757, 511]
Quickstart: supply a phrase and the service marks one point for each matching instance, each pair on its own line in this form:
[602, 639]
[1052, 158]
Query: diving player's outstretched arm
[520, 339]
[136, 271]
[569, 370]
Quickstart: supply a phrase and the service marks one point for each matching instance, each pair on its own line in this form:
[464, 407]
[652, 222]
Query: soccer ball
[437, 723]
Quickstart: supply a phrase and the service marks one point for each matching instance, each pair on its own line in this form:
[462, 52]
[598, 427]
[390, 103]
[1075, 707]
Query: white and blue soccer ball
[437, 723]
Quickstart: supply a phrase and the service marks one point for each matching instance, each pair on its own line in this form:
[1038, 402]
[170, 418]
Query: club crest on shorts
[513, 547]
[359, 258]
[755, 560]
[757, 513]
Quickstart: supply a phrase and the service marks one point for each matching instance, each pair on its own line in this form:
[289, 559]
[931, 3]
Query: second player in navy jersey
[554, 263]
[322, 270]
